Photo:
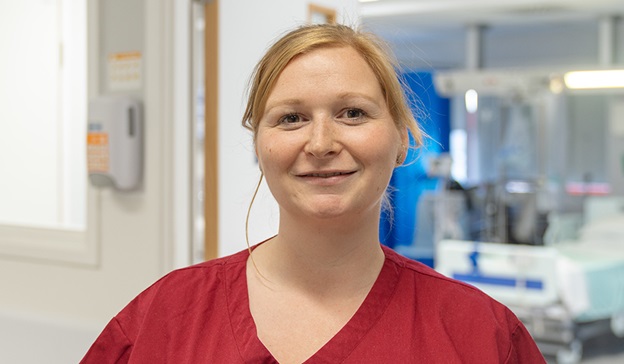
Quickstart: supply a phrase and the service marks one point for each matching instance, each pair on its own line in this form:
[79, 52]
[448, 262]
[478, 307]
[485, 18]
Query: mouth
[326, 174]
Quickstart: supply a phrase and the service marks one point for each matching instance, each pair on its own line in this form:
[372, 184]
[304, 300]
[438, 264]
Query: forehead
[340, 69]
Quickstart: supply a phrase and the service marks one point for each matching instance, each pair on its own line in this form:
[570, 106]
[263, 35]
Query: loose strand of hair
[253, 198]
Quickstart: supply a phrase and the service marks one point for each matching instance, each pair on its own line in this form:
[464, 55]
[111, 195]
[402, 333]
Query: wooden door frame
[211, 170]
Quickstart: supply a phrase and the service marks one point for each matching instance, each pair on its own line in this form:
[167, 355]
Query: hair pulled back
[310, 37]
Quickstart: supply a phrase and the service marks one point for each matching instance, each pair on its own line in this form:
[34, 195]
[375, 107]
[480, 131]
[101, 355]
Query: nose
[322, 138]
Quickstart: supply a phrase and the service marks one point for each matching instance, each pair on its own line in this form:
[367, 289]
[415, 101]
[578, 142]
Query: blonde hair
[310, 37]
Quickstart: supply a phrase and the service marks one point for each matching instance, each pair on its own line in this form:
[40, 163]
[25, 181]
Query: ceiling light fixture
[471, 99]
[579, 80]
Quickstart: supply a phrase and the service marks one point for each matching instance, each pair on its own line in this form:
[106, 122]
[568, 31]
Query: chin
[320, 210]
[329, 208]
[326, 212]
[335, 211]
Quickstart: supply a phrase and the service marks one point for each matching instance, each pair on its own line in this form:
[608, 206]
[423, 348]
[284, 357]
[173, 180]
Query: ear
[256, 155]
[404, 146]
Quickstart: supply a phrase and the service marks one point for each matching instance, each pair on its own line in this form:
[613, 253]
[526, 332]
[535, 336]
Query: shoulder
[209, 272]
[204, 284]
[452, 310]
[162, 318]
[458, 301]
[427, 277]
[207, 275]
[426, 274]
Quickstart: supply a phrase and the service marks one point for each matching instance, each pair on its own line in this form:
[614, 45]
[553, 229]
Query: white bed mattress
[587, 278]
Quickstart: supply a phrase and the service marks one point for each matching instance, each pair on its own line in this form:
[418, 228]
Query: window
[43, 105]
[43, 113]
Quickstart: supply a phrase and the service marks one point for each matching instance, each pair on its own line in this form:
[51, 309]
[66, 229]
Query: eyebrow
[342, 96]
[348, 95]
[277, 103]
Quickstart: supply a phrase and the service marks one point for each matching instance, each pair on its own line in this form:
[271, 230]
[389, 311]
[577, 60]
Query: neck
[323, 256]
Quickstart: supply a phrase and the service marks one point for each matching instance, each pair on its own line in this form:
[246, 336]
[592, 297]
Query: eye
[354, 114]
[289, 119]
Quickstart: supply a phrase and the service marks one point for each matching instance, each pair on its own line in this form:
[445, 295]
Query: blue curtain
[409, 182]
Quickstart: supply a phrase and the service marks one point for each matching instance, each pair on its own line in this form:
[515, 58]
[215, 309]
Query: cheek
[380, 157]
[277, 144]
[271, 155]
[383, 155]
[383, 148]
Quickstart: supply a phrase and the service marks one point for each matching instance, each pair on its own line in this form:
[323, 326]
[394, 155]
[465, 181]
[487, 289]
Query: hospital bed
[565, 293]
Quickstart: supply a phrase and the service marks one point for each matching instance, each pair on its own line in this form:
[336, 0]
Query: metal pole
[606, 41]
[474, 48]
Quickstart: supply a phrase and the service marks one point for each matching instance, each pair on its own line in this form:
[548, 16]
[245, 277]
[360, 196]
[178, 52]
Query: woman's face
[326, 143]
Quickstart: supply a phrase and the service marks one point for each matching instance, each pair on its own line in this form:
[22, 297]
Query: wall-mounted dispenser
[115, 142]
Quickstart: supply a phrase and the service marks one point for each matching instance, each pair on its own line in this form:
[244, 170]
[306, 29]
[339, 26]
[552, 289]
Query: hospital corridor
[123, 157]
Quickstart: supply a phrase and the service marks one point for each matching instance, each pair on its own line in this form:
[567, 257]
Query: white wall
[243, 38]
[50, 311]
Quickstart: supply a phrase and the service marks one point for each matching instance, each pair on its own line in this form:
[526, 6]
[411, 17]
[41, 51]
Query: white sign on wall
[124, 71]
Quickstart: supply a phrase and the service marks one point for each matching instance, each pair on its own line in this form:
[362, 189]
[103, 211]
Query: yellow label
[97, 152]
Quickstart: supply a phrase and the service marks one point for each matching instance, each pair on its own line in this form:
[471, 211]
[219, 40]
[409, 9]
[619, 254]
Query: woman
[330, 123]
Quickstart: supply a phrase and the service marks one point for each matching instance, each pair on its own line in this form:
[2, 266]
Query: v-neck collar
[338, 348]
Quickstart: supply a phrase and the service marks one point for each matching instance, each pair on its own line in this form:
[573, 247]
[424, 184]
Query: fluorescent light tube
[594, 79]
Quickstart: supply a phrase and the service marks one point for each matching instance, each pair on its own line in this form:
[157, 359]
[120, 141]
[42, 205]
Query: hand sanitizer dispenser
[115, 142]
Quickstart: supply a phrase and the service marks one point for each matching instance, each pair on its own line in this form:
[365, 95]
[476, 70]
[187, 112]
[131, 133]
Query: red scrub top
[412, 314]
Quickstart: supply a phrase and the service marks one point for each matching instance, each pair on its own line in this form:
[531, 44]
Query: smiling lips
[326, 174]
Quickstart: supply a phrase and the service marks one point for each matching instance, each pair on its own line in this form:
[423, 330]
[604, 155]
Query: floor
[606, 349]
